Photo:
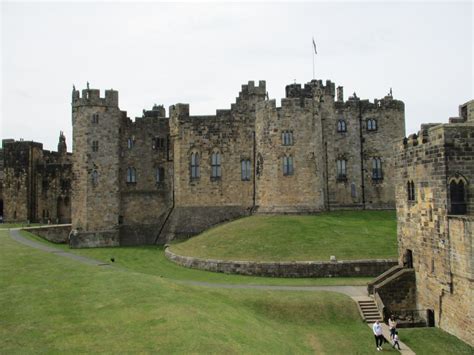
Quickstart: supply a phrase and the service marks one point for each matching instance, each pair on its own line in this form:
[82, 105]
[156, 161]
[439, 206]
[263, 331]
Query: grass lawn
[433, 341]
[151, 260]
[348, 235]
[50, 304]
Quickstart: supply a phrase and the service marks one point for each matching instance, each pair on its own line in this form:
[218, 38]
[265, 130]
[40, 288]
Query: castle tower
[62, 148]
[96, 167]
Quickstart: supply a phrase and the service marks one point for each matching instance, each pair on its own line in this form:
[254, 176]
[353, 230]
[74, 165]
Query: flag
[314, 46]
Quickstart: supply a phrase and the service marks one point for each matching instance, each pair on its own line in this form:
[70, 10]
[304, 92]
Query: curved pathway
[352, 291]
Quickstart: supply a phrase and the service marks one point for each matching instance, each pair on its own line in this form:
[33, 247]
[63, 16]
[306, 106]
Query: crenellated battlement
[311, 89]
[91, 97]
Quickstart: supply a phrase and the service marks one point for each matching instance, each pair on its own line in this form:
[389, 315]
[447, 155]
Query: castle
[160, 178]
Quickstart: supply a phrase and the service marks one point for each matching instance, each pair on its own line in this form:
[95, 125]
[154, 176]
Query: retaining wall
[55, 233]
[286, 269]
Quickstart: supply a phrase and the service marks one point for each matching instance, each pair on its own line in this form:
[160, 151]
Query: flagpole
[313, 63]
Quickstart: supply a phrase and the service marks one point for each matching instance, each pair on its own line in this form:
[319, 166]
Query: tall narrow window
[95, 177]
[377, 169]
[216, 165]
[95, 118]
[341, 169]
[131, 175]
[158, 143]
[160, 174]
[287, 138]
[95, 146]
[341, 126]
[245, 170]
[457, 193]
[288, 165]
[195, 173]
[371, 124]
[130, 143]
[411, 190]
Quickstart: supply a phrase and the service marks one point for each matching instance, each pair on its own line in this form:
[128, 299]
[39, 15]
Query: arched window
[287, 138]
[457, 193]
[216, 165]
[245, 170]
[130, 143]
[95, 177]
[371, 124]
[411, 190]
[341, 126]
[377, 169]
[341, 169]
[288, 165]
[131, 175]
[195, 172]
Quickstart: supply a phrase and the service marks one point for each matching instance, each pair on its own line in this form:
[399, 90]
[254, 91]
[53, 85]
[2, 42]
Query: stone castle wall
[440, 243]
[37, 183]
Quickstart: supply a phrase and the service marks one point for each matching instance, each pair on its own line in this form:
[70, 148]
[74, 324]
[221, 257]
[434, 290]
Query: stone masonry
[36, 182]
[158, 178]
[435, 209]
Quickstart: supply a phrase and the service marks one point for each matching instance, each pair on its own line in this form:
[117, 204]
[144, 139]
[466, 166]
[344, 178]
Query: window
[245, 170]
[95, 146]
[457, 192]
[195, 173]
[341, 126]
[158, 143]
[341, 169]
[411, 190]
[160, 174]
[377, 169]
[288, 166]
[287, 138]
[95, 177]
[131, 175]
[216, 165]
[130, 143]
[95, 118]
[371, 124]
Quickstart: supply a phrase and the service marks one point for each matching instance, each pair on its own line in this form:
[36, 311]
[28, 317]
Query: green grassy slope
[151, 260]
[53, 304]
[348, 235]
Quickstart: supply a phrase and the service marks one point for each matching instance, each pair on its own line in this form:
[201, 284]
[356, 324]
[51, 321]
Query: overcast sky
[201, 54]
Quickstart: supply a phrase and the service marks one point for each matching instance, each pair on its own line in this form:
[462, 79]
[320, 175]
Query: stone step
[369, 311]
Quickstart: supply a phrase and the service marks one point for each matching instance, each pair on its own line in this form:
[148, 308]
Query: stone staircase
[369, 311]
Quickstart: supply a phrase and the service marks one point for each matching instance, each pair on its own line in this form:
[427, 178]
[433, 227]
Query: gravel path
[352, 291]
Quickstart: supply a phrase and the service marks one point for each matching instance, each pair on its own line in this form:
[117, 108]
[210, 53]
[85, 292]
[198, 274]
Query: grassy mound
[349, 235]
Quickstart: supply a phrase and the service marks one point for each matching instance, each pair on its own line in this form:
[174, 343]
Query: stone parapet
[350, 268]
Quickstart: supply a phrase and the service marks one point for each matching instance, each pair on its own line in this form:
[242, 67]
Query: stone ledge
[361, 268]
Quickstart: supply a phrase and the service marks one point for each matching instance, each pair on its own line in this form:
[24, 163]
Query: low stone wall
[99, 239]
[55, 233]
[286, 269]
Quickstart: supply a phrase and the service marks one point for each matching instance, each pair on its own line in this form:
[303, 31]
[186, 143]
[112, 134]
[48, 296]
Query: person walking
[377, 329]
[396, 341]
[392, 324]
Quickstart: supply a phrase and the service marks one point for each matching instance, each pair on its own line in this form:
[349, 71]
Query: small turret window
[95, 118]
[341, 169]
[95, 146]
[195, 171]
[245, 170]
[411, 190]
[341, 126]
[457, 193]
[131, 175]
[216, 165]
[371, 124]
[377, 169]
[287, 138]
[160, 174]
[130, 143]
[288, 165]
